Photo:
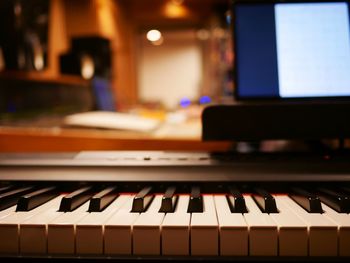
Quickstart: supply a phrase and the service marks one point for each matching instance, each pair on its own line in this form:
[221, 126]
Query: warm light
[87, 67]
[38, 57]
[219, 32]
[203, 34]
[158, 42]
[154, 35]
[39, 61]
[175, 9]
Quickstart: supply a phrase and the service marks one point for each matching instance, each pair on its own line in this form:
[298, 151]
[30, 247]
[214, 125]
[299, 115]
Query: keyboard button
[292, 231]
[176, 229]
[61, 231]
[345, 189]
[146, 230]
[4, 189]
[33, 231]
[169, 200]
[9, 226]
[196, 201]
[265, 201]
[142, 200]
[11, 197]
[233, 229]
[31, 200]
[263, 231]
[307, 200]
[336, 200]
[323, 240]
[75, 199]
[204, 230]
[102, 199]
[7, 211]
[236, 201]
[89, 230]
[118, 230]
[343, 222]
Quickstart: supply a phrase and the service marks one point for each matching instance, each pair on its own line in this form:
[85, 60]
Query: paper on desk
[112, 120]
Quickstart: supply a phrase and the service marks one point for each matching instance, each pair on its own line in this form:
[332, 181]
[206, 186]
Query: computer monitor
[291, 50]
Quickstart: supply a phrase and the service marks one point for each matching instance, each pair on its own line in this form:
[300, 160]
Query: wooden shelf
[67, 140]
[35, 76]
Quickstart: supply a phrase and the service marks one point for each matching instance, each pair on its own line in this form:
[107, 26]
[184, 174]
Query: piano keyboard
[175, 220]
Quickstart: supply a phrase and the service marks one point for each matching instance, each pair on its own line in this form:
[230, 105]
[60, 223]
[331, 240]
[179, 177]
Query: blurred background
[151, 65]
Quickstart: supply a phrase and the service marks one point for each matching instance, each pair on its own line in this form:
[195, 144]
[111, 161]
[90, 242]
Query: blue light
[228, 18]
[204, 100]
[185, 102]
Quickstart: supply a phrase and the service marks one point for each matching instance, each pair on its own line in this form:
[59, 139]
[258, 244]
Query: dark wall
[23, 31]
[28, 97]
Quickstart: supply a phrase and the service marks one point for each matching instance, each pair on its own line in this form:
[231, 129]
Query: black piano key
[307, 200]
[236, 201]
[11, 197]
[5, 188]
[334, 199]
[75, 199]
[102, 199]
[345, 189]
[169, 200]
[265, 201]
[195, 204]
[34, 199]
[142, 200]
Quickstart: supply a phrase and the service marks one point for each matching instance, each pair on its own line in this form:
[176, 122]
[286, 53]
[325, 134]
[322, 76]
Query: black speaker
[272, 121]
[70, 64]
[96, 49]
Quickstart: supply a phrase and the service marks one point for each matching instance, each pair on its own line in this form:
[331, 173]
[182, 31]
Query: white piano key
[263, 232]
[323, 240]
[61, 231]
[204, 229]
[118, 231]
[292, 231]
[33, 231]
[343, 222]
[7, 211]
[146, 230]
[233, 229]
[9, 226]
[176, 229]
[89, 230]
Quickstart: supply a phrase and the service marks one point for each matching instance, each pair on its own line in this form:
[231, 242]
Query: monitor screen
[292, 50]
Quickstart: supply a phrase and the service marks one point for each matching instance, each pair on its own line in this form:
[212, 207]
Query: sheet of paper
[112, 120]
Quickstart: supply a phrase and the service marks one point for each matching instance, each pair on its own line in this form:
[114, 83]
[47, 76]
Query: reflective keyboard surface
[260, 219]
[196, 218]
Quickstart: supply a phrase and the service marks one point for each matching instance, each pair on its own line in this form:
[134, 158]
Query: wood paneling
[154, 12]
[57, 42]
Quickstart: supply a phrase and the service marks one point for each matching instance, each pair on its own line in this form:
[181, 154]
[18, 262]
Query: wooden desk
[20, 139]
